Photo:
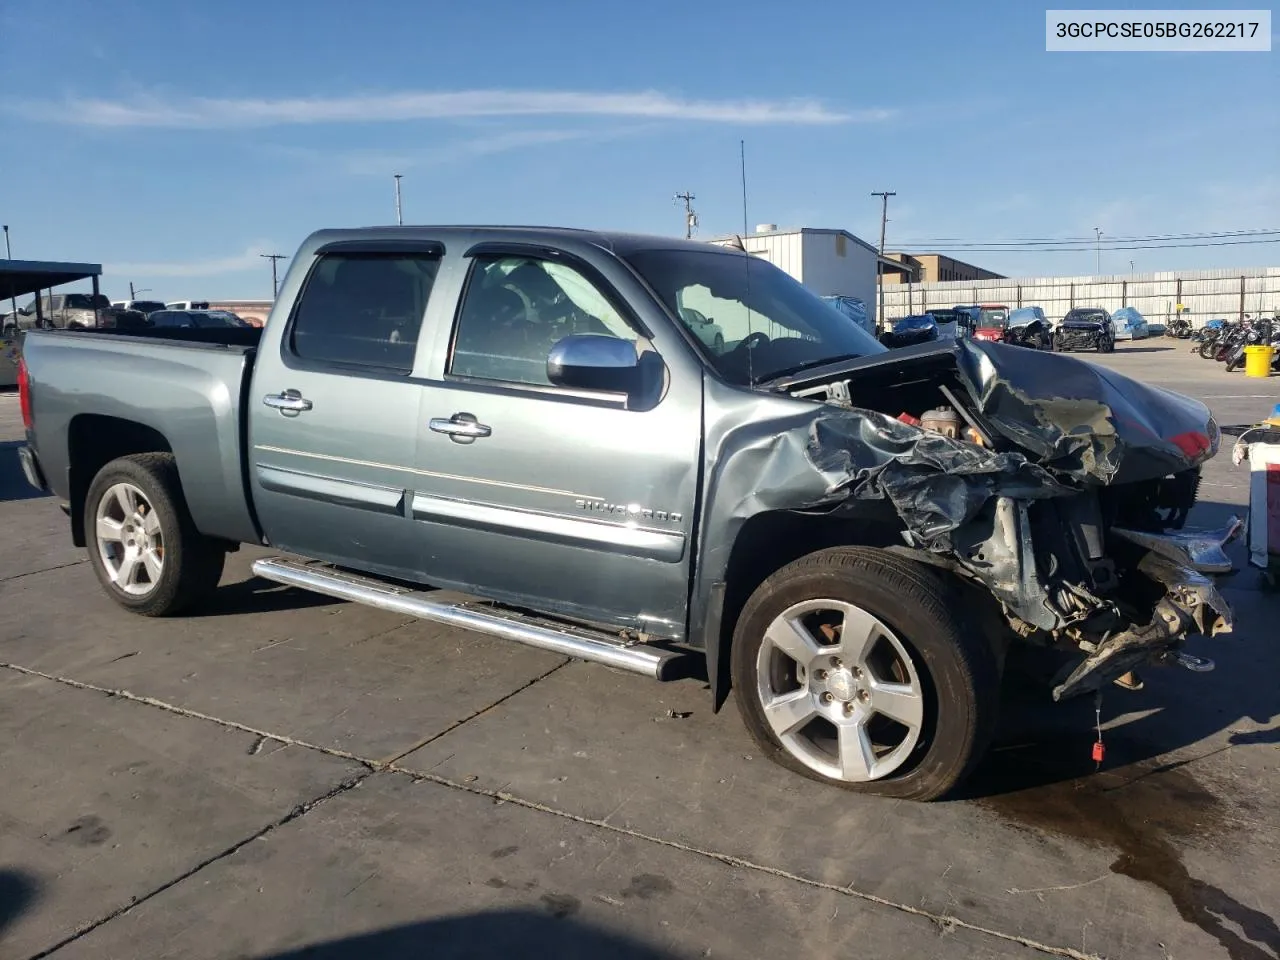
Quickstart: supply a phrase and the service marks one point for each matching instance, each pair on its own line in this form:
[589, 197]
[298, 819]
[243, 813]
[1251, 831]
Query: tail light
[24, 394]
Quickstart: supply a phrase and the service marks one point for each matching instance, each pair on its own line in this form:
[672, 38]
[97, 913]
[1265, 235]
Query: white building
[829, 262]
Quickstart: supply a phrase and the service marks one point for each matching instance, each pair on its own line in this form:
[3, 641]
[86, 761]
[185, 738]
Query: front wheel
[850, 667]
[143, 544]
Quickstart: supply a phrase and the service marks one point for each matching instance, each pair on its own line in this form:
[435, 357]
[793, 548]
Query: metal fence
[1203, 294]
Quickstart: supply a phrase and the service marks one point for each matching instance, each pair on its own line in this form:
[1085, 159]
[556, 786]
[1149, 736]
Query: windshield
[1086, 316]
[993, 317]
[771, 325]
[147, 306]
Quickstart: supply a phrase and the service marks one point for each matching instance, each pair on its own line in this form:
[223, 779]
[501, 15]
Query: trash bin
[1257, 361]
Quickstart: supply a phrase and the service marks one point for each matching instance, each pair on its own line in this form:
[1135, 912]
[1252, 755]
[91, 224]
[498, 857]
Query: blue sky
[175, 142]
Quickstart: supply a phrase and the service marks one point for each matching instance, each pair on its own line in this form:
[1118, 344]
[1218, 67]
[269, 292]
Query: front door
[334, 412]
[543, 496]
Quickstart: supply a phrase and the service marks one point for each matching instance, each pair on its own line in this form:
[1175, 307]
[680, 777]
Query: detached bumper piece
[1191, 605]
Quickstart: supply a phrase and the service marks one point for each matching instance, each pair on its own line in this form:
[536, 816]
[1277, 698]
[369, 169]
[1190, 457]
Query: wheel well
[95, 440]
[769, 541]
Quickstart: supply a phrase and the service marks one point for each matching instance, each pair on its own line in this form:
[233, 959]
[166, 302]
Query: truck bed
[187, 386]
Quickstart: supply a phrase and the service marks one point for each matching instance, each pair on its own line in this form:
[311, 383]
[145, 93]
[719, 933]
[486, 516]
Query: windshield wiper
[807, 365]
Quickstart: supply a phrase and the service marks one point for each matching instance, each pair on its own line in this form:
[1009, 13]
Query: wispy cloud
[212, 267]
[212, 113]
[376, 161]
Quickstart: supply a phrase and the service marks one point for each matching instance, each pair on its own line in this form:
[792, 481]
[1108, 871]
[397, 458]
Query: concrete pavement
[284, 772]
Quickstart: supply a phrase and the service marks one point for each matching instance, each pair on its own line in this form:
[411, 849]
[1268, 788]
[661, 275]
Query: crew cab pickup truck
[516, 431]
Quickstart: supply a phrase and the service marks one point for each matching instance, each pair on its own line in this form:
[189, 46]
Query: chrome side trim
[624, 538]
[342, 493]
[267, 448]
[636, 658]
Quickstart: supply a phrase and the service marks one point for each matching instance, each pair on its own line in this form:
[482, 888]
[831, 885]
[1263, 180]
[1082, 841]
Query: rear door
[560, 500]
[334, 415]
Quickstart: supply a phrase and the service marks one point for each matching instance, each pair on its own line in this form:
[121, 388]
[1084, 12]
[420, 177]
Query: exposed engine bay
[1062, 487]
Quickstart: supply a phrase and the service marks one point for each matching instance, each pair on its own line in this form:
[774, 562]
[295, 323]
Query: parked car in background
[706, 329]
[1130, 324]
[194, 319]
[1085, 328]
[952, 322]
[144, 307]
[1029, 327]
[910, 330]
[854, 309]
[187, 305]
[992, 323]
[66, 311]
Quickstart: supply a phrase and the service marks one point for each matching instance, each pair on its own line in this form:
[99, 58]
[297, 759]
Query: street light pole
[884, 196]
[399, 218]
[1098, 241]
[8, 253]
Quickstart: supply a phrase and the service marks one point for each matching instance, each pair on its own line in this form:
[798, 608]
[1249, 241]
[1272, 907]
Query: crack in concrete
[32, 573]
[300, 810]
[379, 766]
[390, 761]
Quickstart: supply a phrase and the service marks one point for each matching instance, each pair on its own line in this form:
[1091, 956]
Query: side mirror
[594, 362]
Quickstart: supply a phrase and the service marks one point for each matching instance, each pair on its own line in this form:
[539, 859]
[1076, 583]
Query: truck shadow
[13, 484]
[18, 891]
[256, 595]
[500, 935]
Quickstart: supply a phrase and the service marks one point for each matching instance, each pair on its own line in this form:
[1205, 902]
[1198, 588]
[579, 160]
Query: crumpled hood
[1082, 421]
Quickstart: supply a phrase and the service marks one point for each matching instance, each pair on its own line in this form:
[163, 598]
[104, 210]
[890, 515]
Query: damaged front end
[1060, 487]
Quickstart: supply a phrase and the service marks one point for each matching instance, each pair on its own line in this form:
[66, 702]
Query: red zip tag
[1098, 752]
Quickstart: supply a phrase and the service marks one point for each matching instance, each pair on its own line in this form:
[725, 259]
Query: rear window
[992, 317]
[86, 301]
[364, 310]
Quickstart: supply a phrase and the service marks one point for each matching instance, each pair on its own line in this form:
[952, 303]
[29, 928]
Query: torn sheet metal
[935, 483]
[1082, 420]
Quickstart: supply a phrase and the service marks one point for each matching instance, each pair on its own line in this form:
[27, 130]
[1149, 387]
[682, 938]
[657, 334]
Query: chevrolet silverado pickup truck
[516, 431]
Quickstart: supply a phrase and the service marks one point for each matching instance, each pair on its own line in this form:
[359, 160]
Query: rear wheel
[143, 544]
[851, 667]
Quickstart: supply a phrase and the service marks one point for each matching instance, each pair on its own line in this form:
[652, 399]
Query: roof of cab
[618, 242]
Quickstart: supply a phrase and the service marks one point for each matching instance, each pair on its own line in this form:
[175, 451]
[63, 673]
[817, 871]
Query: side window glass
[516, 309]
[364, 309]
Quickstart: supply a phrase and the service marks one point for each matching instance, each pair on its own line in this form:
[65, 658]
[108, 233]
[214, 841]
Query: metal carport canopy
[20, 277]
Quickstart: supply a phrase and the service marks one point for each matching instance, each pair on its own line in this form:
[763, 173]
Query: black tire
[1207, 349]
[192, 562]
[958, 668]
[1232, 364]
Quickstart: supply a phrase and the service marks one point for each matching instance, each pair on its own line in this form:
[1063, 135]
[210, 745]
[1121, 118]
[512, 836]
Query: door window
[363, 310]
[516, 309]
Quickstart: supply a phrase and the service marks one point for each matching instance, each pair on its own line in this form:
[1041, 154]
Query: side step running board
[564, 639]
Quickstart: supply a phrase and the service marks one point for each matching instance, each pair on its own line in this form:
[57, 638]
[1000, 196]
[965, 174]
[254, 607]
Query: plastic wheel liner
[1061, 501]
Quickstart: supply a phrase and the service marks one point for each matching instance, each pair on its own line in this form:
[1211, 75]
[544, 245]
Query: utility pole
[690, 218]
[884, 196]
[8, 253]
[273, 257]
[1098, 241]
[399, 218]
[1131, 266]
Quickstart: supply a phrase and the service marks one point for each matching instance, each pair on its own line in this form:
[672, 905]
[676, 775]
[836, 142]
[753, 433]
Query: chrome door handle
[288, 402]
[461, 427]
